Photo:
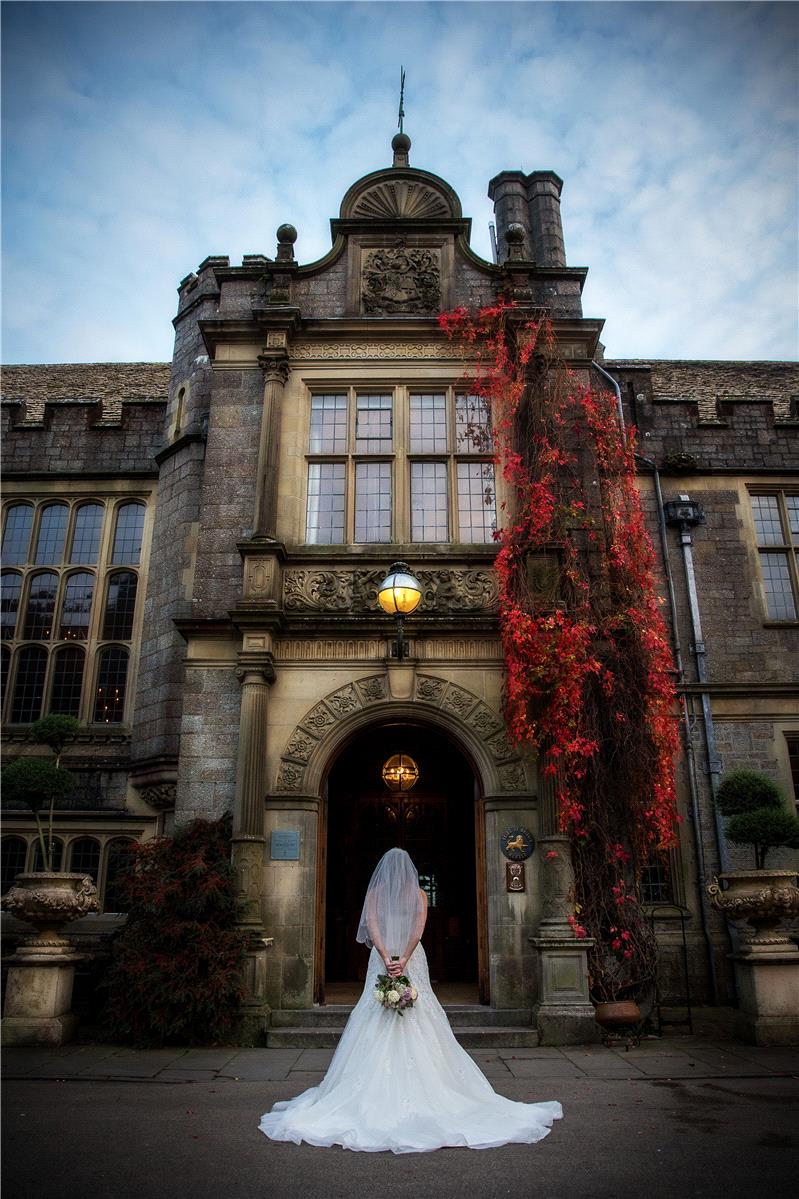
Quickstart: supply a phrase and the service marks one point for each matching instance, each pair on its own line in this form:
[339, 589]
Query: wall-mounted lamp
[399, 594]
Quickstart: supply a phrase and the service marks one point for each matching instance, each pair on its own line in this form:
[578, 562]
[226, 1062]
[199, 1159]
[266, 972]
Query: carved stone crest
[449, 590]
[400, 279]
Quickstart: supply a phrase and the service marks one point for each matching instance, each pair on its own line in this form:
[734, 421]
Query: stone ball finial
[514, 234]
[286, 235]
[401, 141]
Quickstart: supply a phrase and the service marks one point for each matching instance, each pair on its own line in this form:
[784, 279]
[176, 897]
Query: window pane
[373, 501]
[84, 857]
[109, 706]
[655, 883]
[324, 523]
[76, 607]
[119, 606]
[373, 424]
[14, 853]
[472, 425]
[766, 512]
[58, 853]
[118, 853]
[17, 535]
[792, 504]
[52, 530]
[429, 507]
[428, 424]
[86, 538]
[5, 666]
[328, 424]
[477, 513]
[67, 681]
[29, 685]
[41, 606]
[777, 583]
[127, 539]
[11, 588]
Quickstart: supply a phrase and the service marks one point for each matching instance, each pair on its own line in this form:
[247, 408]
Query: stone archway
[478, 728]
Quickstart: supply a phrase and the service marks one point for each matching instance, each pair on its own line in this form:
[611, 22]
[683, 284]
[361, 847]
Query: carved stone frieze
[430, 691]
[400, 279]
[404, 198]
[466, 589]
[377, 350]
[160, 796]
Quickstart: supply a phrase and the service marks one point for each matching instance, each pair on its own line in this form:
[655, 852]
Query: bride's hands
[396, 968]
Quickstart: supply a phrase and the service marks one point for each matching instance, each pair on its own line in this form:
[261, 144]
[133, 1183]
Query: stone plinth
[564, 1013]
[768, 992]
[38, 998]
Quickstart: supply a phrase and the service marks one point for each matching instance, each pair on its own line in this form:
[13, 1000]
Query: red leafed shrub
[588, 664]
[176, 971]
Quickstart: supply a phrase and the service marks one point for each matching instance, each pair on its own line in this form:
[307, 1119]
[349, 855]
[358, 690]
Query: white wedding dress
[404, 1083]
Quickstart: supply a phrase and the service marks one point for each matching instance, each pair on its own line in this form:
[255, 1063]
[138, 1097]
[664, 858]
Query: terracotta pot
[48, 900]
[761, 897]
[618, 1014]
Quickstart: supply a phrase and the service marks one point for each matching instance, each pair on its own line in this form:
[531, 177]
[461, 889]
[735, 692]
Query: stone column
[255, 674]
[274, 364]
[565, 1015]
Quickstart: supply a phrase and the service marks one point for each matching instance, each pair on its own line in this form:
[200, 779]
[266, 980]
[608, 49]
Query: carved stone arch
[401, 193]
[478, 729]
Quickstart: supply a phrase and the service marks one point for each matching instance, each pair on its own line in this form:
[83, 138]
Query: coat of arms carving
[400, 279]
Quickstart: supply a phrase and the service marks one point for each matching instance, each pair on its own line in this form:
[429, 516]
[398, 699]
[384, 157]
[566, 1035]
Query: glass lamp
[400, 772]
[399, 594]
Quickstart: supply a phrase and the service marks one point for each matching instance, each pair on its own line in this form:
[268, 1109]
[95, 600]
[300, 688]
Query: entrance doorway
[438, 822]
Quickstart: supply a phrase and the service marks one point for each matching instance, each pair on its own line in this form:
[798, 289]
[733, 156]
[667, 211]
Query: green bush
[746, 791]
[176, 974]
[764, 829]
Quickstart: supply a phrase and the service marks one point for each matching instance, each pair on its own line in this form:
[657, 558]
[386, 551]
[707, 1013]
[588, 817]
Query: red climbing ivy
[588, 665]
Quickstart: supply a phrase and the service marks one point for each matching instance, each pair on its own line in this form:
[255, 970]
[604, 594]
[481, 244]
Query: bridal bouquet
[395, 993]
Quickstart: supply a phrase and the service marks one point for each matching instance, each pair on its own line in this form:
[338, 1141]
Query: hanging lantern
[400, 773]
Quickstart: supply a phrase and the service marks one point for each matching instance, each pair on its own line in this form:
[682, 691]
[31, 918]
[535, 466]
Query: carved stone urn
[42, 971]
[48, 900]
[761, 897]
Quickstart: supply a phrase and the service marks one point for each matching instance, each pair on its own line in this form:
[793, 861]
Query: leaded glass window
[112, 676]
[120, 606]
[87, 534]
[17, 534]
[373, 501]
[429, 502]
[68, 664]
[9, 606]
[118, 854]
[84, 857]
[14, 852]
[128, 534]
[52, 531]
[776, 521]
[76, 607]
[57, 854]
[327, 489]
[26, 705]
[42, 591]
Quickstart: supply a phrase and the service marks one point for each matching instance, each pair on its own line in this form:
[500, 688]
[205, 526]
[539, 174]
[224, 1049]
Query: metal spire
[402, 98]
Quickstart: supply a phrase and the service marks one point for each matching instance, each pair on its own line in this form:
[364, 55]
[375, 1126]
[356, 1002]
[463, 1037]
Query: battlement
[713, 385]
[105, 387]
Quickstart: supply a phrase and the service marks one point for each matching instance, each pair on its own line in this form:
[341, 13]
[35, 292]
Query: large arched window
[17, 534]
[87, 534]
[9, 605]
[58, 854]
[120, 606]
[118, 852]
[5, 668]
[76, 607]
[68, 664]
[128, 535]
[42, 591]
[84, 857]
[112, 677]
[14, 852]
[26, 705]
[52, 531]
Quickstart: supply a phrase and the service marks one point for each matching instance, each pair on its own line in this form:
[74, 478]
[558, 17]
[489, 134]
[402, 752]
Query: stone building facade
[236, 512]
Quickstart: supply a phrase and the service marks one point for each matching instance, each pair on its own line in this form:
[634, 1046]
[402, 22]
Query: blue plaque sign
[285, 845]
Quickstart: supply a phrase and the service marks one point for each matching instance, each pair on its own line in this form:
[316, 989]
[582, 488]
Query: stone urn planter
[42, 971]
[619, 1019]
[761, 897]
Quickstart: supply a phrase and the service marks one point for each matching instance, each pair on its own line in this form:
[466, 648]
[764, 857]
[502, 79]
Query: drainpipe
[693, 789]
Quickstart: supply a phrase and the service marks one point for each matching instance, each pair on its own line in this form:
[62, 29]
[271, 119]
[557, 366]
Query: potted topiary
[755, 815]
[46, 898]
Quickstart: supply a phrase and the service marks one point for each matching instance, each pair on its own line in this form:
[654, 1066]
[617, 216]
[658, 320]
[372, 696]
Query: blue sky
[138, 138]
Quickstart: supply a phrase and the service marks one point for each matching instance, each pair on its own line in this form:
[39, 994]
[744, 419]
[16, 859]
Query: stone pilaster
[274, 364]
[255, 674]
[564, 1012]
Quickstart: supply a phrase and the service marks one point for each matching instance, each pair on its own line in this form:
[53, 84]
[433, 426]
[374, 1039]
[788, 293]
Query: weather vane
[402, 97]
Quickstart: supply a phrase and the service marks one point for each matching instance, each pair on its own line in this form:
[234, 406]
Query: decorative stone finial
[400, 144]
[286, 237]
[514, 237]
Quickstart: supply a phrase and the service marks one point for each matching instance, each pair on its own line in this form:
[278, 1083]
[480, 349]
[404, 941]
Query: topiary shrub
[755, 814]
[39, 782]
[176, 974]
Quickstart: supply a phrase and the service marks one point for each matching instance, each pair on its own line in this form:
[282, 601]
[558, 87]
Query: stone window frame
[112, 497]
[400, 458]
[105, 841]
[787, 547]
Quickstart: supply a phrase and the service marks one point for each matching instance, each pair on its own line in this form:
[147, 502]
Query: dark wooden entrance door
[434, 822]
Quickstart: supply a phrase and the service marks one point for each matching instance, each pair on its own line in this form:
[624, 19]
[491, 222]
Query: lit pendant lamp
[400, 772]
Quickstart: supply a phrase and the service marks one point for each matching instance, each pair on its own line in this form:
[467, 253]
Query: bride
[402, 1082]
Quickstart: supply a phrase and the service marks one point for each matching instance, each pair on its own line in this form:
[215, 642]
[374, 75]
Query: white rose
[414, 993]
[379, 996]
[393, 997]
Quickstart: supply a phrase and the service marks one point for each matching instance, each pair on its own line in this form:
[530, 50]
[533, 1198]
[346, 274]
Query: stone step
[335, 1015]
[514, 1037]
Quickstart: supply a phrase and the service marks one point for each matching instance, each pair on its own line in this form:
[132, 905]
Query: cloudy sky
[140, 137]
